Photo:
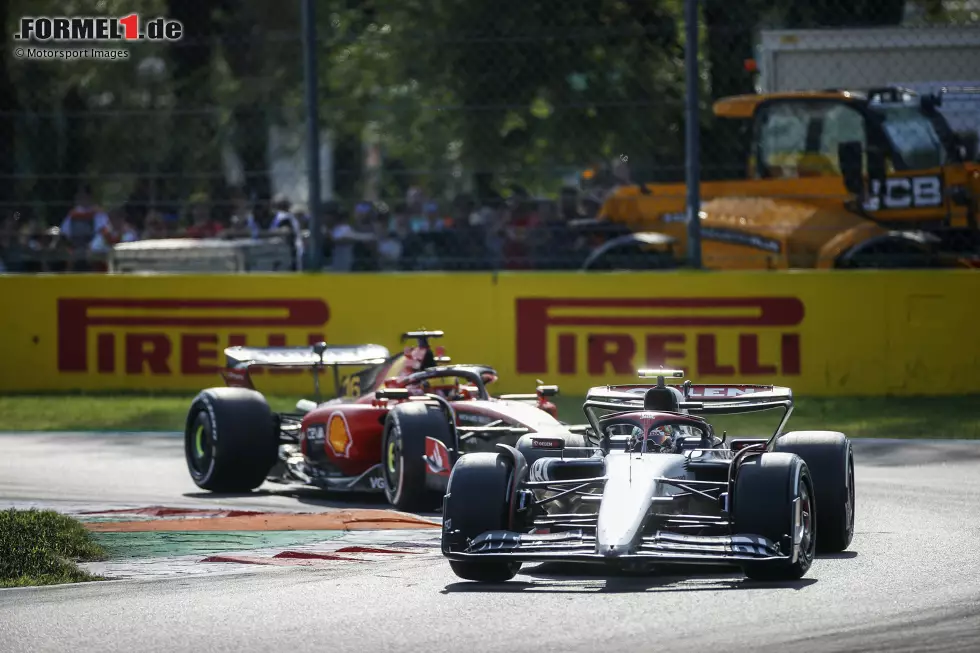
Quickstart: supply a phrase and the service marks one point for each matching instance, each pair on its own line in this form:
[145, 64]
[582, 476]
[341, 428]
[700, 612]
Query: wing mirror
[968, 144]
[546, 390]
[392, 393]
[319, 349]
[851, 157]
[877, 170]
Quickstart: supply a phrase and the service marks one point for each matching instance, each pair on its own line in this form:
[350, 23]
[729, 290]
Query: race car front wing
[292, 467]
[662, 546]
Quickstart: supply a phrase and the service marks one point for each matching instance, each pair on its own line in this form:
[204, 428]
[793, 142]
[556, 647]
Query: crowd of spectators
[417, 233]
[493, 234]
[83, 239]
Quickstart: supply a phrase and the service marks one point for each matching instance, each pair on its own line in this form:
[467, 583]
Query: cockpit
[451, 382]
[651, 432]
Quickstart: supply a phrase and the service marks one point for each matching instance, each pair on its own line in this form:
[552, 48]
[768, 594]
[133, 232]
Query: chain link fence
[500, 135]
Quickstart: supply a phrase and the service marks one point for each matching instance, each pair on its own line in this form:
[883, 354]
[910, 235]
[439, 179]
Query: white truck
[922, 59]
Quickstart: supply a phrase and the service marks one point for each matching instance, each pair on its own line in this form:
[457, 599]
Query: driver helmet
[660, 438]
[450, 392]
[416, 359]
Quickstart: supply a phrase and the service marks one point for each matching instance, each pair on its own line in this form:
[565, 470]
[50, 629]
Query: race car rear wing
[317, 357]
[702, 398]
[720, 399]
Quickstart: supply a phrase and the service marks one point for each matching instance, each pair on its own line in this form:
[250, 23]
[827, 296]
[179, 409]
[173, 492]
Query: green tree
[513, 88]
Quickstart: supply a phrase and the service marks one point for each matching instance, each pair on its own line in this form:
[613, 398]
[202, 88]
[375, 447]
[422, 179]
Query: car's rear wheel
[829, 457]
[479, 500]
[231, 440]
[403, 455]
[766, 489]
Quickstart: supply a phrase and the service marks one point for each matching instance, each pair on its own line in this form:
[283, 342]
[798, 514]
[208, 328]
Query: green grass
[41, 547]
[98, 412]
[875, 417]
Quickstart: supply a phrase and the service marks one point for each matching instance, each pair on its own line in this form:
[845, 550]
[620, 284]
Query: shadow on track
[556, 578]
[573, 585]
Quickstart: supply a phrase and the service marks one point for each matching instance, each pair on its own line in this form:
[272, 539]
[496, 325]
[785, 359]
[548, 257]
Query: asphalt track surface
[909, 582]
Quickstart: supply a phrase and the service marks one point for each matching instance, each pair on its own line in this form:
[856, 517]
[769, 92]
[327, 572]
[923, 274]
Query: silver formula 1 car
[656, 485]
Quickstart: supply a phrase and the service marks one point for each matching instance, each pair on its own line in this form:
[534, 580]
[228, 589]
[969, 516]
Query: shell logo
[338, 435]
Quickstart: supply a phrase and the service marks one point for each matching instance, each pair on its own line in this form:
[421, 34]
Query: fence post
[693, 135]
[312, 133]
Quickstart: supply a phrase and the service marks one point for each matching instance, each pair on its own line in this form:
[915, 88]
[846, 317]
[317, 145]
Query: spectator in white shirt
[284, 219]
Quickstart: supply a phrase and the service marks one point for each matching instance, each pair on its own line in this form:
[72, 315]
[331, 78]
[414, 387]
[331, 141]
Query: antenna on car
[318, 349]
[661, 375]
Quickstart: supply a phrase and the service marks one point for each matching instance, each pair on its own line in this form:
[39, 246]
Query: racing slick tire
[403, 455]
[766, 486]
[478, 500]
[231, 440]
[576, 441]
[829, 457]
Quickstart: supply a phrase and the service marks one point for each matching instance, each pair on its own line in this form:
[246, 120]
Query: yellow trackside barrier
[822, 333]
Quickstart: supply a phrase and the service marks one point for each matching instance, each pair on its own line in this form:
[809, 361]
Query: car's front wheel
[403, 455]
[829, 457]
[767, 488]
[479, 500]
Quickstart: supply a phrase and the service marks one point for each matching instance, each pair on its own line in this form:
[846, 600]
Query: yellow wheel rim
[391, 457]
[199, 442]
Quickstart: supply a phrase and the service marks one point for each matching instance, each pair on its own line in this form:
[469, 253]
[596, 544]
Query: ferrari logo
[435, 461]
[436, 457]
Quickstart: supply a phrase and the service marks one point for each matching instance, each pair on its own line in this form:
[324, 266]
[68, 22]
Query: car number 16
[351, 386]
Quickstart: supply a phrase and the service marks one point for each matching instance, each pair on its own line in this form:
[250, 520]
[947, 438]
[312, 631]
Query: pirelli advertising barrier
[822, 333]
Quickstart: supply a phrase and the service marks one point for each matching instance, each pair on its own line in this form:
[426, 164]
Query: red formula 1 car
[399, 426]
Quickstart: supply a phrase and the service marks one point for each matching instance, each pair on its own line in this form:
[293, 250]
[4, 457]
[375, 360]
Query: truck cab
[832, 178]
[902, 137]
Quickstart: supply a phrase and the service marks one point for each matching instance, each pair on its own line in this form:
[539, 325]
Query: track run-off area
[910, 581]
